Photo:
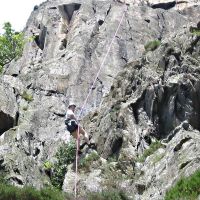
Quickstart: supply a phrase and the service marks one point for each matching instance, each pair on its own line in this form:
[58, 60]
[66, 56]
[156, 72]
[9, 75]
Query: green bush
[152, 45]
[48, 165]
[65, 156]
[108, 195]
[27, 97]
[86, 162]
[8, 192]
[187, 188]
[196, 32]
[147, 152]
[11, 45]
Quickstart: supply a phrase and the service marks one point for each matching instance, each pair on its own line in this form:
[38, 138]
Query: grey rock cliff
[138, 96]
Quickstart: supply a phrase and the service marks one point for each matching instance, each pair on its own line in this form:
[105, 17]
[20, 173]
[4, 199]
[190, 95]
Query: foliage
[86, 162]
[48, 165]
[108, 195]
[2, 178]
[28, 97]
[112, 158]
[196, 32]
[65, 156]
[1, 69]
[11, 45]
[152, 45]
[187, 188]
[147, 152]
[8, 192]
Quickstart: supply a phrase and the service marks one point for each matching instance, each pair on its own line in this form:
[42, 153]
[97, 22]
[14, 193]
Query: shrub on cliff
[152, 148]
[152, 45]
[11, 45]
[185, 188]
[65, 156]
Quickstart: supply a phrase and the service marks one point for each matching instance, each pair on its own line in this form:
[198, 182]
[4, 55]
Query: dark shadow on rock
[6, 122]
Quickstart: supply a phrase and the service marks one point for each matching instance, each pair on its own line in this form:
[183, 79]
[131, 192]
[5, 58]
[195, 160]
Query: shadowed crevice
[6, 122]
[165, 6]
[68, 10]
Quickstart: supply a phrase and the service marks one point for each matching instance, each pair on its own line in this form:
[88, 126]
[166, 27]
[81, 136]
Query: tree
[11, 44]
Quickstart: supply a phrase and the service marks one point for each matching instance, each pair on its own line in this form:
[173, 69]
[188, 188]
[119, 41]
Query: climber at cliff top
[72, 124]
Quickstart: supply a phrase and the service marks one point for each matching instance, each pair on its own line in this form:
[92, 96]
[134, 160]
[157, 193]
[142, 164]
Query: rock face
[9, 109]
[138, 97]
[154, 98]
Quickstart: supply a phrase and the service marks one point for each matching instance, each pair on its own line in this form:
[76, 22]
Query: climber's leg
[83, 132]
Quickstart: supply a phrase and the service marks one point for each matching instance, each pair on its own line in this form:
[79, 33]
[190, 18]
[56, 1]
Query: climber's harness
[71, 124]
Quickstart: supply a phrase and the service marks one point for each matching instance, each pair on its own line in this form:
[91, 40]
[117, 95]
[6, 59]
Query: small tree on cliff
[11, 45]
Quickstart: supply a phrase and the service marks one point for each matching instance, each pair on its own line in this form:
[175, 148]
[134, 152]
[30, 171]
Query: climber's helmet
[72, 104]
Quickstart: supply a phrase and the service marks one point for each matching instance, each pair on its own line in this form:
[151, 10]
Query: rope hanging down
[89, 93]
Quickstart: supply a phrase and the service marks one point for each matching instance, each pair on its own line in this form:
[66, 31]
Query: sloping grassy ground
[187, 188]
[8, 192]
[152, 148]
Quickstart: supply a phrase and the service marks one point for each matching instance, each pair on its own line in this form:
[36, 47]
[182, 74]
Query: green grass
[108, 195]
[48, 165]
[27, 97]
[8, 192]
[152, 45]
[87, 161]
[196, 32]
[147, 152]
[187, 188]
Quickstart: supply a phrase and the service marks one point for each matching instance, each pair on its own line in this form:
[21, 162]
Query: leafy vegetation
[86, 162]
[196, 32]
[48, 165]
[112, 158]
[11, 45]
[28, 97]
[108, 195]
[1, 69]
[152, 148]
[186, 188]
[65, 156]
[8, 192]
[152, 45]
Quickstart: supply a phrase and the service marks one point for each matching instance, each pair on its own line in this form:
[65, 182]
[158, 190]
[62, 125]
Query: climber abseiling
[72, 124]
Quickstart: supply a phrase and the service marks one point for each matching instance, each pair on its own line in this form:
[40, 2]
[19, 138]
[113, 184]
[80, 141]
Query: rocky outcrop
[154, 98]
[8, 108]
[157, 93]
[139, 96]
